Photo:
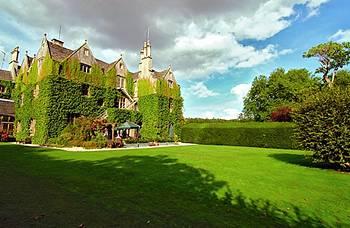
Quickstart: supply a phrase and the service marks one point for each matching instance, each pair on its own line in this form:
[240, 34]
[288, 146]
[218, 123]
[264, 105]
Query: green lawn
[178, 187]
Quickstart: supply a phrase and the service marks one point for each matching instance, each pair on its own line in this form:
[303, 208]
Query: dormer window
[170, 83]
[86, 52]
[85, 68]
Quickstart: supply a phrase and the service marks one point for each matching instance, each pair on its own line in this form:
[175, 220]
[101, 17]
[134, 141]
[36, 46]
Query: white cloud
[226, 113]
[341, 36]
[241, 90]
[201, 90]
[200, 54]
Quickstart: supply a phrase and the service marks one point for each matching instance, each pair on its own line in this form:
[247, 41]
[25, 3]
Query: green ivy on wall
[161, 109]
[9, 87]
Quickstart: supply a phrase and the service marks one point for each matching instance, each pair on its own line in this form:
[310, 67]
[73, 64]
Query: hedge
[251, 134]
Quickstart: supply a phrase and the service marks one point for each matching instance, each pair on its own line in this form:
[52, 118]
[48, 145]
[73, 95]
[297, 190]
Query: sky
[215, 48]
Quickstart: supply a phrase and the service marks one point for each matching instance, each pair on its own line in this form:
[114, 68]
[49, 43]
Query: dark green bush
[269, 135]
[323, 126]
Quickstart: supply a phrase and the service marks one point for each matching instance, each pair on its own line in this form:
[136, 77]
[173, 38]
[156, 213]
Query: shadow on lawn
[305, 161]
[156, 190]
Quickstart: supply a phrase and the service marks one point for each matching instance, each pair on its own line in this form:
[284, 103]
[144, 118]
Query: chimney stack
[57, 42]
[13, 66]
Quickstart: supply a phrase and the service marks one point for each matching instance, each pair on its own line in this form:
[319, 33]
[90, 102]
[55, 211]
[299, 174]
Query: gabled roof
[58, 52]
[111, 65]
[161, 74]
[5, 75]
[135, 75]
[102, 64]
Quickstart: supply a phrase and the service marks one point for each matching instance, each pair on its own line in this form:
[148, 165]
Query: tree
[323, 126]
[281, 89]
[256, 103]
[332, 56]
[343, 79]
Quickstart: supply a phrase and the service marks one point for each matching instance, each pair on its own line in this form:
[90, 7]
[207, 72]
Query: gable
[84, 54]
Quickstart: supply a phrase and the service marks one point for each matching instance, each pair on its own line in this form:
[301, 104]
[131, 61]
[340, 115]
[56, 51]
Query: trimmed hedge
[251, 134]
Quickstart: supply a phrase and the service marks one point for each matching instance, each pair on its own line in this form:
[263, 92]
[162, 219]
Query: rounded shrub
[323, 126]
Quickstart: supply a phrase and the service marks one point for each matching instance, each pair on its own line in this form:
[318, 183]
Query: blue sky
[215, 48]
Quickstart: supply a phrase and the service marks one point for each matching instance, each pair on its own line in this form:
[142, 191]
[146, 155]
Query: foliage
[120, 116]
[323, 123]
[282, 114]
[130, 87]
[85, 132]
[9, 87]
[161, 109]
[332, 57]
[280, 89]
[343, 79]
[54, 105]
[252, 134]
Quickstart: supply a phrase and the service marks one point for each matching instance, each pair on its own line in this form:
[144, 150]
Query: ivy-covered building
[58, 84]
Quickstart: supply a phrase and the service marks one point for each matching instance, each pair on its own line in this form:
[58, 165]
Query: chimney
[13, 66]
[15, 55]
[57, 42]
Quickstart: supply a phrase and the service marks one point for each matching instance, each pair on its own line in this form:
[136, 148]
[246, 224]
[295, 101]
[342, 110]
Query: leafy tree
[281, 89]
[256, 103]
[343, 79]
[332, 56]
[323, 126]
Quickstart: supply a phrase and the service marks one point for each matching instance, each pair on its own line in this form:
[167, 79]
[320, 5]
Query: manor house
[58, 84]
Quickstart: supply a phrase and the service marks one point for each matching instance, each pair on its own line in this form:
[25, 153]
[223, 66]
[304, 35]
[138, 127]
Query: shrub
[282, 114]
[90, 145]
[100, 140]
[323, 126]
[252, 134]
[4, 137]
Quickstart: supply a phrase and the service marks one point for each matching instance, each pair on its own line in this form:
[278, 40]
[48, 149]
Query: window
[100, 102]
[171, 104]
[60, 69]
[85, 68]
[86, 52]
[121, 66]
[170, 83]
[120, 82]
[85, 90]
[32, 127]
[2, 89]
[120, 102]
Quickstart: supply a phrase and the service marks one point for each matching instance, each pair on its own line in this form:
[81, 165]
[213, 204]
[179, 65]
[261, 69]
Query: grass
[197, 186]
